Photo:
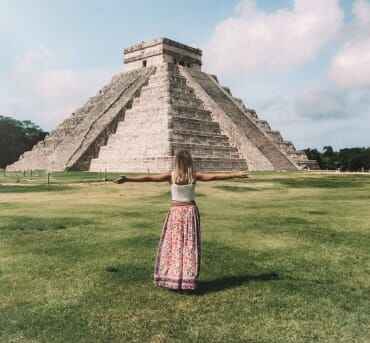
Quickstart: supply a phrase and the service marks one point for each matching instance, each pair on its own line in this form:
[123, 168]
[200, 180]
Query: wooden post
[31, 173]
[105, 175]
[48, 178]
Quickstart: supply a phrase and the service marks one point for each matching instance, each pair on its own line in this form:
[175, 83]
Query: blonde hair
[184, 169]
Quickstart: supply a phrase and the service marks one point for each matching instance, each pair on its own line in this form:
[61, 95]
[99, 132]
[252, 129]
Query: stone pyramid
[163, 103]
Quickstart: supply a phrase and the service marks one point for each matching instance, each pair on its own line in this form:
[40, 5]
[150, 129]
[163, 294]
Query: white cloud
[38, 90]
[256, 40]
[350, 67]
[320, 116]
[361, 10]
[322, 104]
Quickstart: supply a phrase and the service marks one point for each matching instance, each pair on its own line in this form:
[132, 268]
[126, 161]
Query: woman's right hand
[121, 179]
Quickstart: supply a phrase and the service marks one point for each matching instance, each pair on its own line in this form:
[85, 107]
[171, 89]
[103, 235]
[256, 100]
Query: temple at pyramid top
[162, 103]
[162, 50]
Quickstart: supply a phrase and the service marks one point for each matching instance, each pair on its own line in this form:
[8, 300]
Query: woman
[177, 262]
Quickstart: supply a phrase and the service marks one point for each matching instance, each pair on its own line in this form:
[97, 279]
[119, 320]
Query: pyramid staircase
[165, 118]
[263, 148]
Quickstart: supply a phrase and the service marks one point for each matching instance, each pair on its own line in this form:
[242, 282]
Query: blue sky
[304, 65]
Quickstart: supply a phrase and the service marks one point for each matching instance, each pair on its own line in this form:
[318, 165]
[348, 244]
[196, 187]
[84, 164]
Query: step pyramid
[163, 103]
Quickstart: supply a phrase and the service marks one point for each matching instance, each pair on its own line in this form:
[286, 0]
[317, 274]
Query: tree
[314, 154]
[16, 137]
[348, 159]
[328, 151]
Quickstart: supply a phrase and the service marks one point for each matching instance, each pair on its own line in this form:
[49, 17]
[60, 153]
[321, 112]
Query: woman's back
[183, 193]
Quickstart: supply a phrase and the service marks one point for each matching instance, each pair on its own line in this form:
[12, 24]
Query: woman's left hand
[243, 174]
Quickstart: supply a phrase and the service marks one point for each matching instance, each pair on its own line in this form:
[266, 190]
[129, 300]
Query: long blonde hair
[183, 173]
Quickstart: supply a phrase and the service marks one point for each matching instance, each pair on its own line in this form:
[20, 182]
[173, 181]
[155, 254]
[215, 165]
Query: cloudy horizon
[304, 65]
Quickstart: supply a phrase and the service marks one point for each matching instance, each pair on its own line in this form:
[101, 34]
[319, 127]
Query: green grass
[285, 258]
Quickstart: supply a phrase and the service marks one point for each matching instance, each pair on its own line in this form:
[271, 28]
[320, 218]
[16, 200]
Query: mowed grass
[285, 258]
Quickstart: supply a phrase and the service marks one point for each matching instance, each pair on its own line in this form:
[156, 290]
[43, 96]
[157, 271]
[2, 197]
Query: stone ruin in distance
[163, 103]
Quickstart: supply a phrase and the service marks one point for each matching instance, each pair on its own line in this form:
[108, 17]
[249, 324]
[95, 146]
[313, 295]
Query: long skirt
[178, 257]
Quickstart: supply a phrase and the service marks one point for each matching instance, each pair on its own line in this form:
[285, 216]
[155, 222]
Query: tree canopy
[348, 159]
[16, 137]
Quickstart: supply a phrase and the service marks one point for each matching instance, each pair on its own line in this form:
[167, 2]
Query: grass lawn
[285, 258]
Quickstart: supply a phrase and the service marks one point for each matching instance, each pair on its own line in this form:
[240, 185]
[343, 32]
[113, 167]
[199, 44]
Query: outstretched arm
[221, 176]
[146, 178]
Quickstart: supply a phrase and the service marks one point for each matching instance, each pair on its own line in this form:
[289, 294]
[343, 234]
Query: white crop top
[183, 193]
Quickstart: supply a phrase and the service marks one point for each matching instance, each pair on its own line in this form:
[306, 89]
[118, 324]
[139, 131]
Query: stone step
[200, 150]
[168, 79]
[198, 137]
[159, 90]
[184, 123]
[191, 113]
[288, 147]
[167, 86]
[276, 136]
[182, 109]
[169, 99]
[166, 76]
[264, 125]
[149, 107]
[173, 109]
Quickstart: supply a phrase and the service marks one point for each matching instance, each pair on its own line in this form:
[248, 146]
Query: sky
[303, 65]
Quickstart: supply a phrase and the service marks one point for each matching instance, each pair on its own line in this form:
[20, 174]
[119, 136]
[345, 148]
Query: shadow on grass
[319, 213]
[328, 182]
[229, 282]
[130, 272]
[33, 188]
[24, 223]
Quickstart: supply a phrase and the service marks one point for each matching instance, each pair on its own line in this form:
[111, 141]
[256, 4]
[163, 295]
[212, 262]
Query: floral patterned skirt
[178, 257]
